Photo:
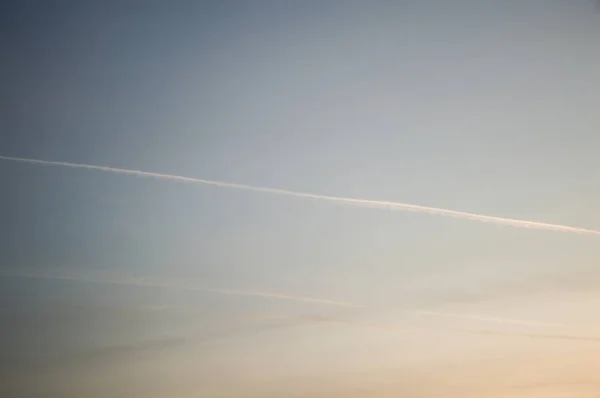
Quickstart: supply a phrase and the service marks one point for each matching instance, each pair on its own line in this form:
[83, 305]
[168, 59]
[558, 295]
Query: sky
[115, 285]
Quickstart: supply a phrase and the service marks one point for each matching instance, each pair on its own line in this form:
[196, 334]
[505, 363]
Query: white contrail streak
[358, 202]
[272, 295]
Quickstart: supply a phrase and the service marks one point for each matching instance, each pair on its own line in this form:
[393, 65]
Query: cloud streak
[541, 336]
[284, 321]
[394, 206]
[486, 318]
[397, 327]
[153, 283]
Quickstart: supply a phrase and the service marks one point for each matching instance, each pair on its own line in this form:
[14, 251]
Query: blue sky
[478, 106]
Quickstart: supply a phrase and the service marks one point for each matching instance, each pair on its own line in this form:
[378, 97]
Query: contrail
[159, 284]
[279, 296]
[358, 202]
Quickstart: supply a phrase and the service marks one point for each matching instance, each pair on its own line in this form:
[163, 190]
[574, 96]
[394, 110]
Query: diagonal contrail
[279, 296]
[168, 285]
[358, 202]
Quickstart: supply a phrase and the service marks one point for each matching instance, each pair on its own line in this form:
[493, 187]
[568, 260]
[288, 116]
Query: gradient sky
[473, 105]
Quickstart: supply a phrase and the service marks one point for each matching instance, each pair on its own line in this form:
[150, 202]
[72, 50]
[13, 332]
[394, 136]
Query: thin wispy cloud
[283, 321]
[398, 327]
[132, 348]
[541, 336]
[145, 282]
[394, 206]
[486, 318]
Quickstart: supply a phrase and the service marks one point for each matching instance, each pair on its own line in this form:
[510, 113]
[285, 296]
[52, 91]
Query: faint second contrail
[146, 282]
[153, 283]
[358, 202]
